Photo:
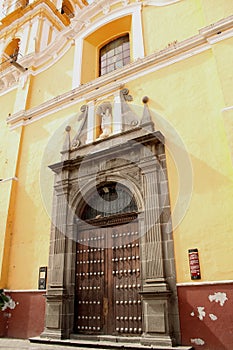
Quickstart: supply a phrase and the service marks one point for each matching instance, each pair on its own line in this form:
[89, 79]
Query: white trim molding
[85, 24]
[78, 55]
[24, 290]
[227, 109]
[9, 179]
[133, 10]
[191, 284]
[160, 2]
[110, 82]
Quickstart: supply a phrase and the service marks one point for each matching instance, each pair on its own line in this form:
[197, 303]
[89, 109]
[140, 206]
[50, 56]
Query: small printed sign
[42, 277]
[194, 264]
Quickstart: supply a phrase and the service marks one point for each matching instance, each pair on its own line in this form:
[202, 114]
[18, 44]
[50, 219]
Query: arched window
[110, 199]
[10, 52]
[115, 54]
[67, 9]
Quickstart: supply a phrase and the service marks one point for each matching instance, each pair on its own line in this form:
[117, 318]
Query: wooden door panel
[127, 280]
[108, 281]
[90, 282]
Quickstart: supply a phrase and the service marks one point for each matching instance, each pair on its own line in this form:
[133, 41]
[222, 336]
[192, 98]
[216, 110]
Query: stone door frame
[144, 172]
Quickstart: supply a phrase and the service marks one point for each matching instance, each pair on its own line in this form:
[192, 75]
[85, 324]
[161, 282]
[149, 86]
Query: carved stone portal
[136, 161]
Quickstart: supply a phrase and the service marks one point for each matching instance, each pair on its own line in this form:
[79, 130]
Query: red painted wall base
[206, 316]
[27, 318]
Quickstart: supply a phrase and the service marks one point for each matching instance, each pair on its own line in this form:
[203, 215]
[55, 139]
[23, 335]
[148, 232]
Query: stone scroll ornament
[78, 139]
[129, 118]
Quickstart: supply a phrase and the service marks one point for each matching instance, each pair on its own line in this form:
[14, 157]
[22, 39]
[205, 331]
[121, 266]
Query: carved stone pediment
[101, 121]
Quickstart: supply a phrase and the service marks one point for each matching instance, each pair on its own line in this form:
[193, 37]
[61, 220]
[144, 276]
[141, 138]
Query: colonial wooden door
[108, 279]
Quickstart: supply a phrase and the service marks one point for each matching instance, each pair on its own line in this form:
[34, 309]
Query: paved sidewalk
[19, 344]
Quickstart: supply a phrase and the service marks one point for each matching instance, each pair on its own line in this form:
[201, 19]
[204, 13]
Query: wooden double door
[108, 280]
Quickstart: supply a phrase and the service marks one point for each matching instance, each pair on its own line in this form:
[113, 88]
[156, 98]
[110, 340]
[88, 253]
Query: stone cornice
[127, 141]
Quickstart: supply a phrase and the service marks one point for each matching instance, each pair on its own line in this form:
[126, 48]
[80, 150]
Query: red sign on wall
[194, 264]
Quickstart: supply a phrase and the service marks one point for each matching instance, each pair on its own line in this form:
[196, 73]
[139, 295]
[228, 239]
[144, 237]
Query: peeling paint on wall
[218, 297]
[215, 328]
[197, 341]
[201, 312]
[213, 317]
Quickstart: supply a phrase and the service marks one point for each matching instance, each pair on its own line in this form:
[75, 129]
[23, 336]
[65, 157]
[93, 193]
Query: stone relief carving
[112, 163]
[9, 79]
[129, 118]
[125, 95]
[101, 121]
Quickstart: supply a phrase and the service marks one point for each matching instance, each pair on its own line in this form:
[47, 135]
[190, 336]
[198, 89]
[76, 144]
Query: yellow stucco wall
[183, 94]
[53, 81]
[177, 22]
[215, 10]
[5, 193]
[8, 140]
[223, 52]
[187, 99]
[9, 149]
[42, 144]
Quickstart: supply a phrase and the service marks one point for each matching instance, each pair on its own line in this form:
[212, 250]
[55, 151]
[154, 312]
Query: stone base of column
[157, 327]
[163, 340]
[54, 320]
[53, 334]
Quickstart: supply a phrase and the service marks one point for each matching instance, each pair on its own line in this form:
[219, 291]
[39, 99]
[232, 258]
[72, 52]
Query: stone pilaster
[152, 246]
[155, 292]
[59, 296]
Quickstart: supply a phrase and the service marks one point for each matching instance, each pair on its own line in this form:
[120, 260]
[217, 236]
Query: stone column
[117, 117]
[24, 39]
[137, 34]
[77, 76]
[44, 33]
[59, 295]
[155, 292]
[91, 122]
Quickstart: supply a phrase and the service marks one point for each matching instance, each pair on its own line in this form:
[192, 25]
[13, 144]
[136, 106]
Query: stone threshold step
[99, 344]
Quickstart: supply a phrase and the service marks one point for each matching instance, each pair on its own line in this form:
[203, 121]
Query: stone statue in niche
[105, 113]
[106, 124]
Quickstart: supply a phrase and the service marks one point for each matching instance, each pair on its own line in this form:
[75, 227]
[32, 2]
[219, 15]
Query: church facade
[116, 171]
